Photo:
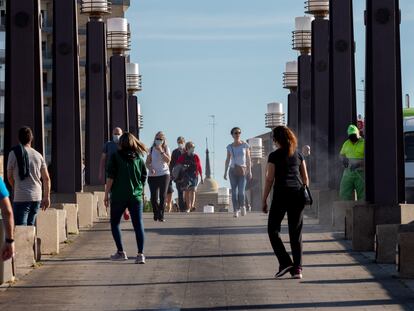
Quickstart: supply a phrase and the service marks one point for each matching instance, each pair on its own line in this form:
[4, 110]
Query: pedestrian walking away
[8, 248]
[238, 158]
[157, 162]
[286, 171]
[126, 176]
[191, 166]
[27, 173]
[180, 150]
[352, 156]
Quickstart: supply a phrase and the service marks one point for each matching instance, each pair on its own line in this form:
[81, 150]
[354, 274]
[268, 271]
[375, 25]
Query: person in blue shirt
[7, 250]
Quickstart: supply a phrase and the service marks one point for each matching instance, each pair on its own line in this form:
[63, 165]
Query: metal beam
[293, 113]
[133, 115]
[118, 97]
[304, 100]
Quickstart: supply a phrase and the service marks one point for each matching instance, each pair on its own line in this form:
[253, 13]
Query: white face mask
[181, 146]
[115, 138]
[158, 142]
[190, 151]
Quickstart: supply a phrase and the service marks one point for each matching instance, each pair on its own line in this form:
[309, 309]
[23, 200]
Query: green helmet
[352, 129]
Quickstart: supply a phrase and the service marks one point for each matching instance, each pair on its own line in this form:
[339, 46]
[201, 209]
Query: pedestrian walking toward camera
[238, 158]
[180, 150]
[158, 161]
[26, 173]
[286, 171]
[109, 148]
[126, 176]
[191, 164]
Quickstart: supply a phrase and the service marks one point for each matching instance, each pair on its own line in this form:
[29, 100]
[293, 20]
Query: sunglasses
[236, 133]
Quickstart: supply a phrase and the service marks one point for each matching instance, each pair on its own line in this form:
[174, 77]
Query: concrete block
[6, 267]
[85, 201]
[72, 222]
[48, 231]
[25, 239]
[406, 251]
[101, 205]
[363, 227]
[407, 213]
[325, 207]
[386, 239]
[348, 224]
[339, 214]
[62, 225]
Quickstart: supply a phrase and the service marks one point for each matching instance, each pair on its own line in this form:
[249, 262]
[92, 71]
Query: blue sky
[225, 58]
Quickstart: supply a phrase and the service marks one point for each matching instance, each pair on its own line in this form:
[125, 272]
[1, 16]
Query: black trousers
[288, 201]
[158, 186]
[181, 202]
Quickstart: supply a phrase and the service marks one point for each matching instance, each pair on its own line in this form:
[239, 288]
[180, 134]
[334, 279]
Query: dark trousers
[158, 186]
[181, 203]
[290, 201]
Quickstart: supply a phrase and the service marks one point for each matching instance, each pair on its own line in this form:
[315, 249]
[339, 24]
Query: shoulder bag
[238, 170]
[305, 192]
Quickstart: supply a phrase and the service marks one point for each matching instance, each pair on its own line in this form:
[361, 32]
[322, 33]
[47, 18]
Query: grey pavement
[206, 262]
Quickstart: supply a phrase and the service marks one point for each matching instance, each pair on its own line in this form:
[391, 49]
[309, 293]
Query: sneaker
[297, 273]
[283, 271]
[119, 256]
[155, 218]
[140, 259]
[161, 220]
[236, 214]
[243, 211]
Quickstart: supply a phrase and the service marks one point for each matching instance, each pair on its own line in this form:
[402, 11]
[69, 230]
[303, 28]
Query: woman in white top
[238, 156]
[159, 174]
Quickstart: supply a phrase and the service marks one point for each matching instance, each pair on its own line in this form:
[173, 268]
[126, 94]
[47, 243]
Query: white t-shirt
[238, 154]
[158, 164]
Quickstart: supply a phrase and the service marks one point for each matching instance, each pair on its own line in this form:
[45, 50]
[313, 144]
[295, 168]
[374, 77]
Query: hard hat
[352, 129]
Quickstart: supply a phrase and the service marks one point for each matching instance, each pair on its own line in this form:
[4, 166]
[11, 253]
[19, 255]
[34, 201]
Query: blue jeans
[25, 213]
[238, 188]
[135, 208]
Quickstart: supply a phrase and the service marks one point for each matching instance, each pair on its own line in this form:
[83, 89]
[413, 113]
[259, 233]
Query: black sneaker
[155, 218]
[296, 273]
[283, 271]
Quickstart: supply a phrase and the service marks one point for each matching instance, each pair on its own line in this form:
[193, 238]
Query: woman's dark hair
[285, 137]
[234, 129]
[129, 142]
[25, 135]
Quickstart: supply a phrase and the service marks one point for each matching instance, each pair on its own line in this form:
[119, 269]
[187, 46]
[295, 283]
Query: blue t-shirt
[4, 193]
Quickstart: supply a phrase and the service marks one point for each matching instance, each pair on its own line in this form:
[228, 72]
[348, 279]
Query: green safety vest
[353, 151]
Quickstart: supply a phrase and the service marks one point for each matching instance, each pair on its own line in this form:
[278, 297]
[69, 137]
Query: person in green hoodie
[126, 176]
[352, 155]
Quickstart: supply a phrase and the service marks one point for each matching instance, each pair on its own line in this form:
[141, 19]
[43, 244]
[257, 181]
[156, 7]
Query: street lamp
[274, 116]
[256, 147]
[302, 36]
[140, 118]
[118, 42]
[134, 84]
[97, 129]
[318, 8]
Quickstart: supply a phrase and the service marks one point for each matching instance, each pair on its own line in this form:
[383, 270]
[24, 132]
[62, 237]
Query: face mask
[190, 151]
[115, 138]
[181, 146]
[158, 142]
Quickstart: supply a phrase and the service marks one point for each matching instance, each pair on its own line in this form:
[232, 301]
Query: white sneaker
[236, 214]
[243, 211]
[119, 256]
[140, 259]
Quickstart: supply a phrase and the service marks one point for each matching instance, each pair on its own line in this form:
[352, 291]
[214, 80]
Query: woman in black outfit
[286, 170]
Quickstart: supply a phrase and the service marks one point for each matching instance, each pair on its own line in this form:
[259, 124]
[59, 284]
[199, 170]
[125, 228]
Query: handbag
[238, 170]
[306, 194]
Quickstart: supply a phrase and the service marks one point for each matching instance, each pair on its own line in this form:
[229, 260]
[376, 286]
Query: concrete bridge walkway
[206, 262]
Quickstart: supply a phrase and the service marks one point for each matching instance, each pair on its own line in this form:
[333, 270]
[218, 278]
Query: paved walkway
[206, 262]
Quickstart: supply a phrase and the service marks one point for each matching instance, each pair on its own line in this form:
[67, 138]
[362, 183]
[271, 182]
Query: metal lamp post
[290, 81]
[320, 91]
[134, 84]
[97, 131]
[118, 42]
[274, 116]
[66, 125]
[302, 42]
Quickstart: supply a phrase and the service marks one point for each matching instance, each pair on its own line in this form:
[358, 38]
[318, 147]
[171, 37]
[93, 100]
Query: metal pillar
[97, 130]
[293, 111]
[133, 115]
[342, 82]
[66, 125]
[24, 88]
[320, 102]
[304, 100]
[118, 97]
[384, 128]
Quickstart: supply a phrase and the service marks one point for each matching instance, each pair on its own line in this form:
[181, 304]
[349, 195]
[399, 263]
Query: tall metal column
[133, 115]
[24, 88]
[133, 84]
[342, 82]
[66, 125]
[118, 94]
[293, 121]
[320, 92]
[384, 163]
[290, 82]
[96, 127]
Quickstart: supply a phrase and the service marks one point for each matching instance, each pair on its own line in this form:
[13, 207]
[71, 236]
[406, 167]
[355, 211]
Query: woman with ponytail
[286, 171]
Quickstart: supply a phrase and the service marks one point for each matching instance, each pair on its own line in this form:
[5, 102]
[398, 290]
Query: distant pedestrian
[192, 169]
[7, 251]
[180, 150]
[157, 162]
[110, 147]
[238, 157]
[286, 171]
[126, 176]
[26, 172]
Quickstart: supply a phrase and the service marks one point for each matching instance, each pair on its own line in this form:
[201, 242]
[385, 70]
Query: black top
[287, 173]
[174, 157]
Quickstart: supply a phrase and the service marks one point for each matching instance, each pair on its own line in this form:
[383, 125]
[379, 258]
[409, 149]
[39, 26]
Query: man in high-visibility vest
[352, 155]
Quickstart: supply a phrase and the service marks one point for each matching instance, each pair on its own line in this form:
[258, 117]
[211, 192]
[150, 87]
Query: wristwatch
[9, 241]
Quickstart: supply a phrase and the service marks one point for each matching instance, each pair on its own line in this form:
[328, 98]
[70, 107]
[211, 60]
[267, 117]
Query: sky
[225, 58]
